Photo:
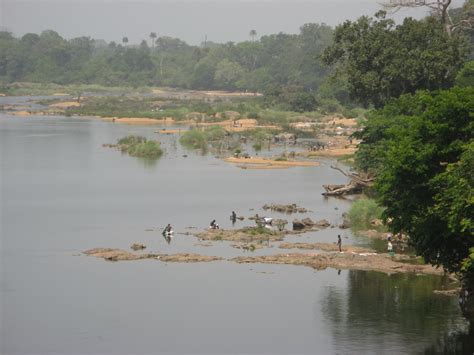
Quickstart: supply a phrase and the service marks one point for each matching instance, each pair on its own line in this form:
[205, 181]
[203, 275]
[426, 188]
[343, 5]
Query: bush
[362, 212]
[194, 139]
[138, 146]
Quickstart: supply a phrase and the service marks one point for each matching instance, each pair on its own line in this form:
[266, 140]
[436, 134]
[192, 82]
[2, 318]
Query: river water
[63, 193]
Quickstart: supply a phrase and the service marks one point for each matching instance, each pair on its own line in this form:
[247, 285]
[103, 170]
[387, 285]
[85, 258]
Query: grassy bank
[39, 89]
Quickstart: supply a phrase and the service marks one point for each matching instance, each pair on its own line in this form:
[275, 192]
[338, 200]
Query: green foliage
[467, 268]
[383, 61]
[148, 149]
[278, 59]
[138, 146]
[259, 230]
[214, 133]
[131, 140]
[362, 212]
[194, 139]
[421, 147]
[465, 76]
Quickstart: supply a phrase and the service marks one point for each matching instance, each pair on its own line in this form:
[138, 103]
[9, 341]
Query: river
[63, 193]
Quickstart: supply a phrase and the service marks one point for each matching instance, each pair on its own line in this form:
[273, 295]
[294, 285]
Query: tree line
[254, 65]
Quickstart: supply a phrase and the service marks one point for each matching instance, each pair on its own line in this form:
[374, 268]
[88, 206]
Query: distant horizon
[221, 21]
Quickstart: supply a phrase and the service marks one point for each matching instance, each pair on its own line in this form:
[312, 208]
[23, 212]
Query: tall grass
[194, 139]
[138, 146]
[362, 212]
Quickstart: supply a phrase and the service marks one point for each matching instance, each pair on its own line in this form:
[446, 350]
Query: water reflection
[377, 313]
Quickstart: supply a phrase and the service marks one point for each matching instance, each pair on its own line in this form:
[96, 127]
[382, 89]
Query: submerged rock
[322, 223]
[137, 246]
[293, 208]
[308, 222]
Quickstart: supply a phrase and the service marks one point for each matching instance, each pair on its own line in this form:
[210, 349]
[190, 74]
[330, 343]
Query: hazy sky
[190, 20]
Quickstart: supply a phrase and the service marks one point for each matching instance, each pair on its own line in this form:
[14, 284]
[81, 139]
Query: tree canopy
[422, 148]
[383, 61]
[279, 59]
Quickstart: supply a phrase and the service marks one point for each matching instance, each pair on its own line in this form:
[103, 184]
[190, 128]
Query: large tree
[422, 150]
[383, 61]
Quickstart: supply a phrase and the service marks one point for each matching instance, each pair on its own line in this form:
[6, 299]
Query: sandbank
[259, 163]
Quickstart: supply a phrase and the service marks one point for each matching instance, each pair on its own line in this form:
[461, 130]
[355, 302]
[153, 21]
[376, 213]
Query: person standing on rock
[390, 248]
[339, 242]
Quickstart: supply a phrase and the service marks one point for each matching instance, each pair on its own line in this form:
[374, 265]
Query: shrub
[194, 139]
[362, 212]
[138, 146]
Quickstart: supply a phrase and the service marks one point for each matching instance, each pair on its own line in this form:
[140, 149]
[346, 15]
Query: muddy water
[62, 193]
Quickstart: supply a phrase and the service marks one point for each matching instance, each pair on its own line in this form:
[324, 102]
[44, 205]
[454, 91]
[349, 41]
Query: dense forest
[280, 59]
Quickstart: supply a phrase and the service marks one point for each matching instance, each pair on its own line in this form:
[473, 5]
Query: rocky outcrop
[325, 247]
[246, 235]
[298, 225]
[353, 261]
[293, 208]
[309, 224]
[110, 254]
[323, 223]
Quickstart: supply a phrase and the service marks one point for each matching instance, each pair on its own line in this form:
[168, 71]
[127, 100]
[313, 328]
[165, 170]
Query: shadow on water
[379, 312]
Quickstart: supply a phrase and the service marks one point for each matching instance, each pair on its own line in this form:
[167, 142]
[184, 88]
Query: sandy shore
[331, 152]
[239, 125]
[262, 163]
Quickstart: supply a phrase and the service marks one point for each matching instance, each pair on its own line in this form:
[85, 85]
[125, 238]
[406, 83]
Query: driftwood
[355, 186]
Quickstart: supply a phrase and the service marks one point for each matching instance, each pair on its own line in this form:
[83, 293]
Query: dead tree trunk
[355, 186]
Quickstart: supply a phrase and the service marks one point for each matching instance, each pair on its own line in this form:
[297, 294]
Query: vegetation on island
[138, 146]
[363, 212]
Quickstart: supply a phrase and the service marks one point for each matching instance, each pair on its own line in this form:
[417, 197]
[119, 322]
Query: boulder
[322, 223]
[308, 222]
[298, 225]
[376, 222]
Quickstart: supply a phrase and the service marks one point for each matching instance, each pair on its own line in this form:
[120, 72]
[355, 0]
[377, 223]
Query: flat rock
[246, 235]
[122, 255]
[353, 261]
[325, 247]
[292, 208]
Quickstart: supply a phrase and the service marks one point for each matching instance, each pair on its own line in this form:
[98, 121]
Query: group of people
[168, 230]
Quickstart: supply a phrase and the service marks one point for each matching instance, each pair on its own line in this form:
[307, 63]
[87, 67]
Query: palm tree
[153, 36]
[125, 41]
[253, 34]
